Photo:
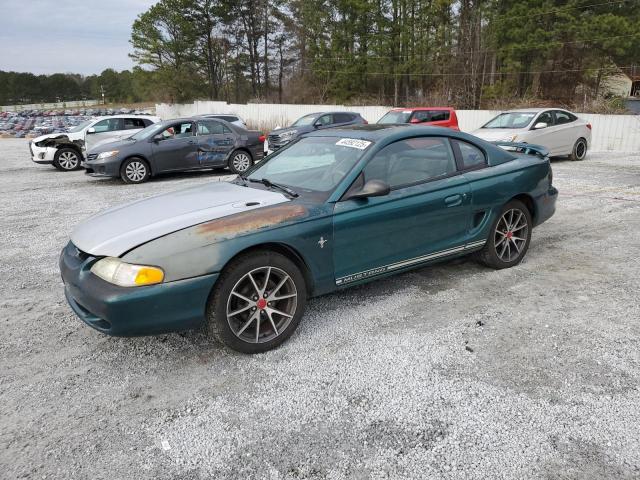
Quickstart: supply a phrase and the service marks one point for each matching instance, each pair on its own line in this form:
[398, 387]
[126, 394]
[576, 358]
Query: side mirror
[373, 188]
[156, 138]
[540, 125]
[317, 125]
[415, 120]
[91, 130]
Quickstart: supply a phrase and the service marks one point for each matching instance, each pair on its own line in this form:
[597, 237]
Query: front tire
[240, 162]
[257, 302]
[510, 237]
[67, 160]
[579, 150]
[135, 170]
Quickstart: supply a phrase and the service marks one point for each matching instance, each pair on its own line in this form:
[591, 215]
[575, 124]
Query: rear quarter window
[470, 155]
[438, 115]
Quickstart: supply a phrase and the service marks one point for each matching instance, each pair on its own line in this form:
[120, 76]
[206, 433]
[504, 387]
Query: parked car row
[137, 147]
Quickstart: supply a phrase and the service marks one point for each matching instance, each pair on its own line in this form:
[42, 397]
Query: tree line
[466, 53]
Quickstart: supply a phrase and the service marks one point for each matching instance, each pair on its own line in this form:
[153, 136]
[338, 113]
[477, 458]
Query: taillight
[589, 126]
[365, 122]
[262, 138]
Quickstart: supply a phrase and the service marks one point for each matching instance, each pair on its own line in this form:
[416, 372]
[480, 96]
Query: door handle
[453, 200]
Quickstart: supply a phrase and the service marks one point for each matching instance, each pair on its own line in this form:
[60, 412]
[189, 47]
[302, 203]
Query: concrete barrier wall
[610, 132]
[50, 106]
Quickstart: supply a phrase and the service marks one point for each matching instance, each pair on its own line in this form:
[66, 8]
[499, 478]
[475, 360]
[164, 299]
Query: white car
[559, 131]
[66, 151]
[227, 117]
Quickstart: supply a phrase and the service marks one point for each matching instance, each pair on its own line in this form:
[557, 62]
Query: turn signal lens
[114, 270]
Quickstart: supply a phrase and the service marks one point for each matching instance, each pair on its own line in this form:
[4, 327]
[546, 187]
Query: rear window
[133, 123]
[342, 117]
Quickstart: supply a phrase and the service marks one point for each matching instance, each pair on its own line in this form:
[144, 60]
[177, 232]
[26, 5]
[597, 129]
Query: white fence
[49, 106]
[610, 132]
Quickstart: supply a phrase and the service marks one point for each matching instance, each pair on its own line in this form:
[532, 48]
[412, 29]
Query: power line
[496, 50]
[560, 10]
[344, 72]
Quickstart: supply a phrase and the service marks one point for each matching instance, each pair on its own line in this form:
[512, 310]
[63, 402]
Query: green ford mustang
[335, 208]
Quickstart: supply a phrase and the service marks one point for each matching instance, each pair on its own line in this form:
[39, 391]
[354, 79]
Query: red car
[436, 116]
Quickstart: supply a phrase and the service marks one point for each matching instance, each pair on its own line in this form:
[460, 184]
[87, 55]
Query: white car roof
[536, 109]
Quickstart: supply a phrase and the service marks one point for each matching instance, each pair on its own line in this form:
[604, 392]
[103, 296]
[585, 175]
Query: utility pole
[102, 92]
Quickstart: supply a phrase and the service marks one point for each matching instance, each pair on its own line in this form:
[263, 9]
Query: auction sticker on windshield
[353, 143]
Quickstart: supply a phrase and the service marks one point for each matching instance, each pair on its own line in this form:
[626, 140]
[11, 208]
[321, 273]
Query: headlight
[288, 134]
[114, 270]
[110, 153]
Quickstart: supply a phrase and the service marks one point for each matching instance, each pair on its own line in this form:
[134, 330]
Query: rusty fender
[240, 223]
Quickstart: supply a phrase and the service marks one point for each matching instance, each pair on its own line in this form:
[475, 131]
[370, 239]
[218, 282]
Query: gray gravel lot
[452, 371]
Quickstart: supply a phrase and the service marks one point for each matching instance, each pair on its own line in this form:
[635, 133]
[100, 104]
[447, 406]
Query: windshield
[314, 164]
[511, 120]
[146, 132]
[80, 126]
[306, 120]
[396, 116]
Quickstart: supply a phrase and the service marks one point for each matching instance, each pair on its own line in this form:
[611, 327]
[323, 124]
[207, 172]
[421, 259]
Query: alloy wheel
[511, 235]
[136, 171]
[262, 304]
[581, 150]
[241, 162]
[68, 160]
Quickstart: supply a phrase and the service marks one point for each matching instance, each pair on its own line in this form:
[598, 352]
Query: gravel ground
[452, 371]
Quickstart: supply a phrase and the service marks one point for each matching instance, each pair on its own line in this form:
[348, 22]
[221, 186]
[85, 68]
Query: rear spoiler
[526, 148]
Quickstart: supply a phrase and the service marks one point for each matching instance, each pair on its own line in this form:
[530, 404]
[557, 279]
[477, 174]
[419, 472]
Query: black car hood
[300, 130]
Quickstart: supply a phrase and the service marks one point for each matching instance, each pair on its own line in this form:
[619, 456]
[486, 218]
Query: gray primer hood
[117, 230]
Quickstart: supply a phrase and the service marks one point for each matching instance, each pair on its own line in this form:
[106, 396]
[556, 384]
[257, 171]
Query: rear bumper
[126, 312]
[546, 206]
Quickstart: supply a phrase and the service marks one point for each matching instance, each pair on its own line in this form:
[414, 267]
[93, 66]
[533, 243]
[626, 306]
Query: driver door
[426, 215]
[175, 148]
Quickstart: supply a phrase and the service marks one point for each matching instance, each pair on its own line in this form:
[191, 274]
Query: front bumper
[126, 312]
[109, 167]
[42, 155]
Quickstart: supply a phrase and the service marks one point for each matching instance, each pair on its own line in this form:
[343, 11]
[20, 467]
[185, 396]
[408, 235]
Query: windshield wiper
[269, 184]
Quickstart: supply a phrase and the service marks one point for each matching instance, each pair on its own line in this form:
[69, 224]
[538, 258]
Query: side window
[420, 116]
[472, 156]
[325, 120]
[342, 118]
[108, 125]
[179, 130]
[133, 123]
[411, 161]
[563, 117]
[210, 127]
[545, 117]
[438, 115]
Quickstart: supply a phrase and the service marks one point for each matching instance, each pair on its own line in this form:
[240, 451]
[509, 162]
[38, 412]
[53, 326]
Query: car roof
[378, 131]
[124, 115]
[536, 109]
[413, 109]
[332, 111]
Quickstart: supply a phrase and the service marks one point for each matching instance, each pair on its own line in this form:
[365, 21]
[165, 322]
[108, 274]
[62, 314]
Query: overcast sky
[79, 36]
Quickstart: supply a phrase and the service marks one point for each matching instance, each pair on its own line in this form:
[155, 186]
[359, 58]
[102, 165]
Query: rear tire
[510, 236]
[67, 159]
[240, 162]
[579, 150]
[257, 302]
[135, 170]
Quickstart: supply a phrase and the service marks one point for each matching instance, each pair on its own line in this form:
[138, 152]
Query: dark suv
[313, 121]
